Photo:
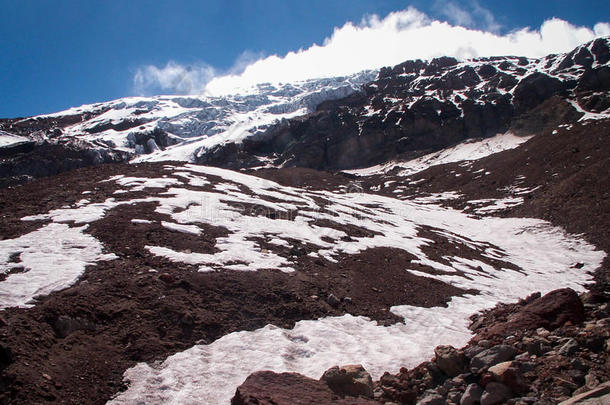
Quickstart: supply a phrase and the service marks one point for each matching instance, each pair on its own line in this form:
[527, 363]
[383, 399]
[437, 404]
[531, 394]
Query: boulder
[333, 301]
[499, 370]
[472, 395]
[267, 388]
[491, 357]
[350, 380]
[495, 393]
[450, 360]
[510, 375]
[549, 312]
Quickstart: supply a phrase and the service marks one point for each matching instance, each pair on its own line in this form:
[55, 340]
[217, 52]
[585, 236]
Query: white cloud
[455, 14]
[601, 29]
[174, 78]
[377, 42]
[478, 16]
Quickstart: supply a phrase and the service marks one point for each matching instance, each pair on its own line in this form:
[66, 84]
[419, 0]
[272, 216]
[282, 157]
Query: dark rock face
[46, 159]
[417, 107]
[269, 388]
[595, 79]
[534, 89]
[45, 154]
[549, 311]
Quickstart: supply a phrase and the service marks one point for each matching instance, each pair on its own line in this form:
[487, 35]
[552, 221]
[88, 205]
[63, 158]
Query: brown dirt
[75, 344]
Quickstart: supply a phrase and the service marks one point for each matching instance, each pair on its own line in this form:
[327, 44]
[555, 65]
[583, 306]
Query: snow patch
[466, 151]
[8, 139]
[210, 373]
[50, 259]
[543, 255]
[490, 205]
[191, 229]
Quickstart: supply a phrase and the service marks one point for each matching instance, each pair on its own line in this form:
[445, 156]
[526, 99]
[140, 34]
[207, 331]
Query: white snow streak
[52, 257]
[466, 151]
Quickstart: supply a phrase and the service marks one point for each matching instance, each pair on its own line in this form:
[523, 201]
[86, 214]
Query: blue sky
[63, 53]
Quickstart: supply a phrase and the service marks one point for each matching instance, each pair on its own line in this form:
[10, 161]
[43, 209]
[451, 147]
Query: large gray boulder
[491, 357]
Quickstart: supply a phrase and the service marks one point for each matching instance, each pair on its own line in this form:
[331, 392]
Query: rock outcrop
[515, 359]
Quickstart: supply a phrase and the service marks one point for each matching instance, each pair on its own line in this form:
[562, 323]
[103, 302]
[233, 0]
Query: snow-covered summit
[174, 127]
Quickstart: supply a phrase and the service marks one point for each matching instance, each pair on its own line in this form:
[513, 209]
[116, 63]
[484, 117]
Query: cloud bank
[373, 43]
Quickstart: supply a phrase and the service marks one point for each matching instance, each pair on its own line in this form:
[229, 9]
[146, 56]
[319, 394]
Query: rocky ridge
[156, 128]
[422, 106]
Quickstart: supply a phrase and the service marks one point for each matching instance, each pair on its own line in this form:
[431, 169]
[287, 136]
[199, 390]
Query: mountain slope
[469, 184]
[163, 127]
[176, 239]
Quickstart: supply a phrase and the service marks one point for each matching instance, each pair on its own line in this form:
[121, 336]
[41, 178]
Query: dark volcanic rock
[495, 393]
[449, 360]
[351, 380]
[417, 107]
[595, 79]
[491, 357]
[269, 388]
[535, 89]
[65, 325]
[48, 159]
[550, 312]
[472, 395]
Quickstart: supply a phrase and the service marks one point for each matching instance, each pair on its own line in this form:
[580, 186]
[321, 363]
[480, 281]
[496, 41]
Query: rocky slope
[147, 236]
[541, 350]
[165, 282]
[418, 106]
